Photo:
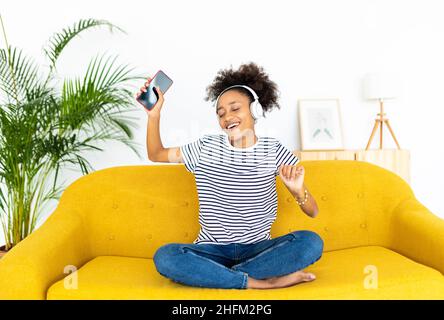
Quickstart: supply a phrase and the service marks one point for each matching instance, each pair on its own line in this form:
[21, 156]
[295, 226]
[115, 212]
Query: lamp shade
[380, 86]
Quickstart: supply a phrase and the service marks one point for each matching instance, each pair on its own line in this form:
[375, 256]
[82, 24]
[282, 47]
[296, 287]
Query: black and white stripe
[236, 187]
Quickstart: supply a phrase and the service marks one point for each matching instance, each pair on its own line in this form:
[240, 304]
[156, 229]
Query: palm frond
[18, 74]
[101, 93]
[60, 40]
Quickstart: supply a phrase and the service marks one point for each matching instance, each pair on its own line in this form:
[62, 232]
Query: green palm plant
[47, 123]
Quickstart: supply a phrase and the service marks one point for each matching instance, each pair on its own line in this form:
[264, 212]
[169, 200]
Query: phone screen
[149, 98]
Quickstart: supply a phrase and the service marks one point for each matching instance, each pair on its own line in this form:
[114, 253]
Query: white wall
[311, 48]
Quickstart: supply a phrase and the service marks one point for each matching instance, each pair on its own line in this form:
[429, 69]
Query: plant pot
[2, 251]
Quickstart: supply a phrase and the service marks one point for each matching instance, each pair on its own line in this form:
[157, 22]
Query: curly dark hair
[249, 74]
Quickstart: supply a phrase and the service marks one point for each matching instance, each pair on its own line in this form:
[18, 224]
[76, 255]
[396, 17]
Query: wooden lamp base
[379, 123]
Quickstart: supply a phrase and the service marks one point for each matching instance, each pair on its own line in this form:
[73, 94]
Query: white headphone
[255, 106]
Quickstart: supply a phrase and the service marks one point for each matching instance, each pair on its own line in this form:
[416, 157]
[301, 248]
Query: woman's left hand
[292, 176]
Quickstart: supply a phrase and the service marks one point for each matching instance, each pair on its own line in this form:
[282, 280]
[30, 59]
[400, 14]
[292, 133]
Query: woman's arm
[310, 206]
[154, 146]
[293, 178]
[155, 150]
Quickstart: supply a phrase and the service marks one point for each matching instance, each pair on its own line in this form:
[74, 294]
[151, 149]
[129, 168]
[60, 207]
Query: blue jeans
[229, 265]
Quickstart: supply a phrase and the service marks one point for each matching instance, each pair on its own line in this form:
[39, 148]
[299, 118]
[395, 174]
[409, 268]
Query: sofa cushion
[341, 274]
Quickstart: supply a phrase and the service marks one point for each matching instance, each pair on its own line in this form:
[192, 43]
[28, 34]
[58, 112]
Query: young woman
[235, 175]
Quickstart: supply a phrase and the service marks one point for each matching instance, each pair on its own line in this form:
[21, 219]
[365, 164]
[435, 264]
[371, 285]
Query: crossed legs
[277, 266]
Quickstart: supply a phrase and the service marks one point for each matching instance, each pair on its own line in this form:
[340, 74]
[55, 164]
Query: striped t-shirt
[236, 187]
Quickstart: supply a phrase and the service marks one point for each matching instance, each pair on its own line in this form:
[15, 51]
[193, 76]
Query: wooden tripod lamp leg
[381, 120]
[391, 131]
[375, 127]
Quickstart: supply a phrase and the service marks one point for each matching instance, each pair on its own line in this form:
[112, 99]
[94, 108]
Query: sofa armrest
[35, 263]
[418, 234]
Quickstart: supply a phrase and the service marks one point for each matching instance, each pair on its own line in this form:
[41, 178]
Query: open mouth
[232, 126]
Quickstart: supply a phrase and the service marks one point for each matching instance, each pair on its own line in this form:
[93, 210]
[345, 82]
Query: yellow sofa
[380, 242]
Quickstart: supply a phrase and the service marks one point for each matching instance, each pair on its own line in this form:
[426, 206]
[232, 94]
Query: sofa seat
[341, 274]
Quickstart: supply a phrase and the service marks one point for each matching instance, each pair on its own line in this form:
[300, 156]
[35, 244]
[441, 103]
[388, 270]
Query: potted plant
[46, 123]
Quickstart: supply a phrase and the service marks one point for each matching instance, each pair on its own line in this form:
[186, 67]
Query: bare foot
[281, 282]
[291, 279]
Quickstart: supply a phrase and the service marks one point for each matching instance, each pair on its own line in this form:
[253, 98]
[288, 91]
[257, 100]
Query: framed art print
[320, 124]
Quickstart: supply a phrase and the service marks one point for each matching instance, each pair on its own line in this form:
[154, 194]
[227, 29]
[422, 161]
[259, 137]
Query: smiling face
[233, 110]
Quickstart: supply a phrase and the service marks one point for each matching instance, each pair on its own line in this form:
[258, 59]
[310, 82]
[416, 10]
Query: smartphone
[149, 98]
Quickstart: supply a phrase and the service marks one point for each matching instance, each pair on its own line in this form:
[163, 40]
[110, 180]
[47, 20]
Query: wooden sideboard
[395, 160]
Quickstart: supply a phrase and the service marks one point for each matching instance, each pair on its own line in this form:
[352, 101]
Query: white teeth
[232, 125]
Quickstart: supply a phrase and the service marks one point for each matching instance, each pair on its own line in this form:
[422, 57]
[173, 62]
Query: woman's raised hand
[155, 111]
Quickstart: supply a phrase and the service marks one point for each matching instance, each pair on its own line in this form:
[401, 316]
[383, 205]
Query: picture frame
[320, 124]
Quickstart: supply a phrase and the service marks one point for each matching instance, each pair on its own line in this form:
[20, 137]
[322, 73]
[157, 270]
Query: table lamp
[380, 87]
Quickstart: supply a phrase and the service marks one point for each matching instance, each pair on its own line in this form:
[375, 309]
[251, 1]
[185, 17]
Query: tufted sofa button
[150, 205]
[185, 203]
[149, 236]
[324, 198]
[363, 225]
[360, 195]
[115, 205]
[289, 199]
[186, 234]
[326, 228]
[111, 237]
